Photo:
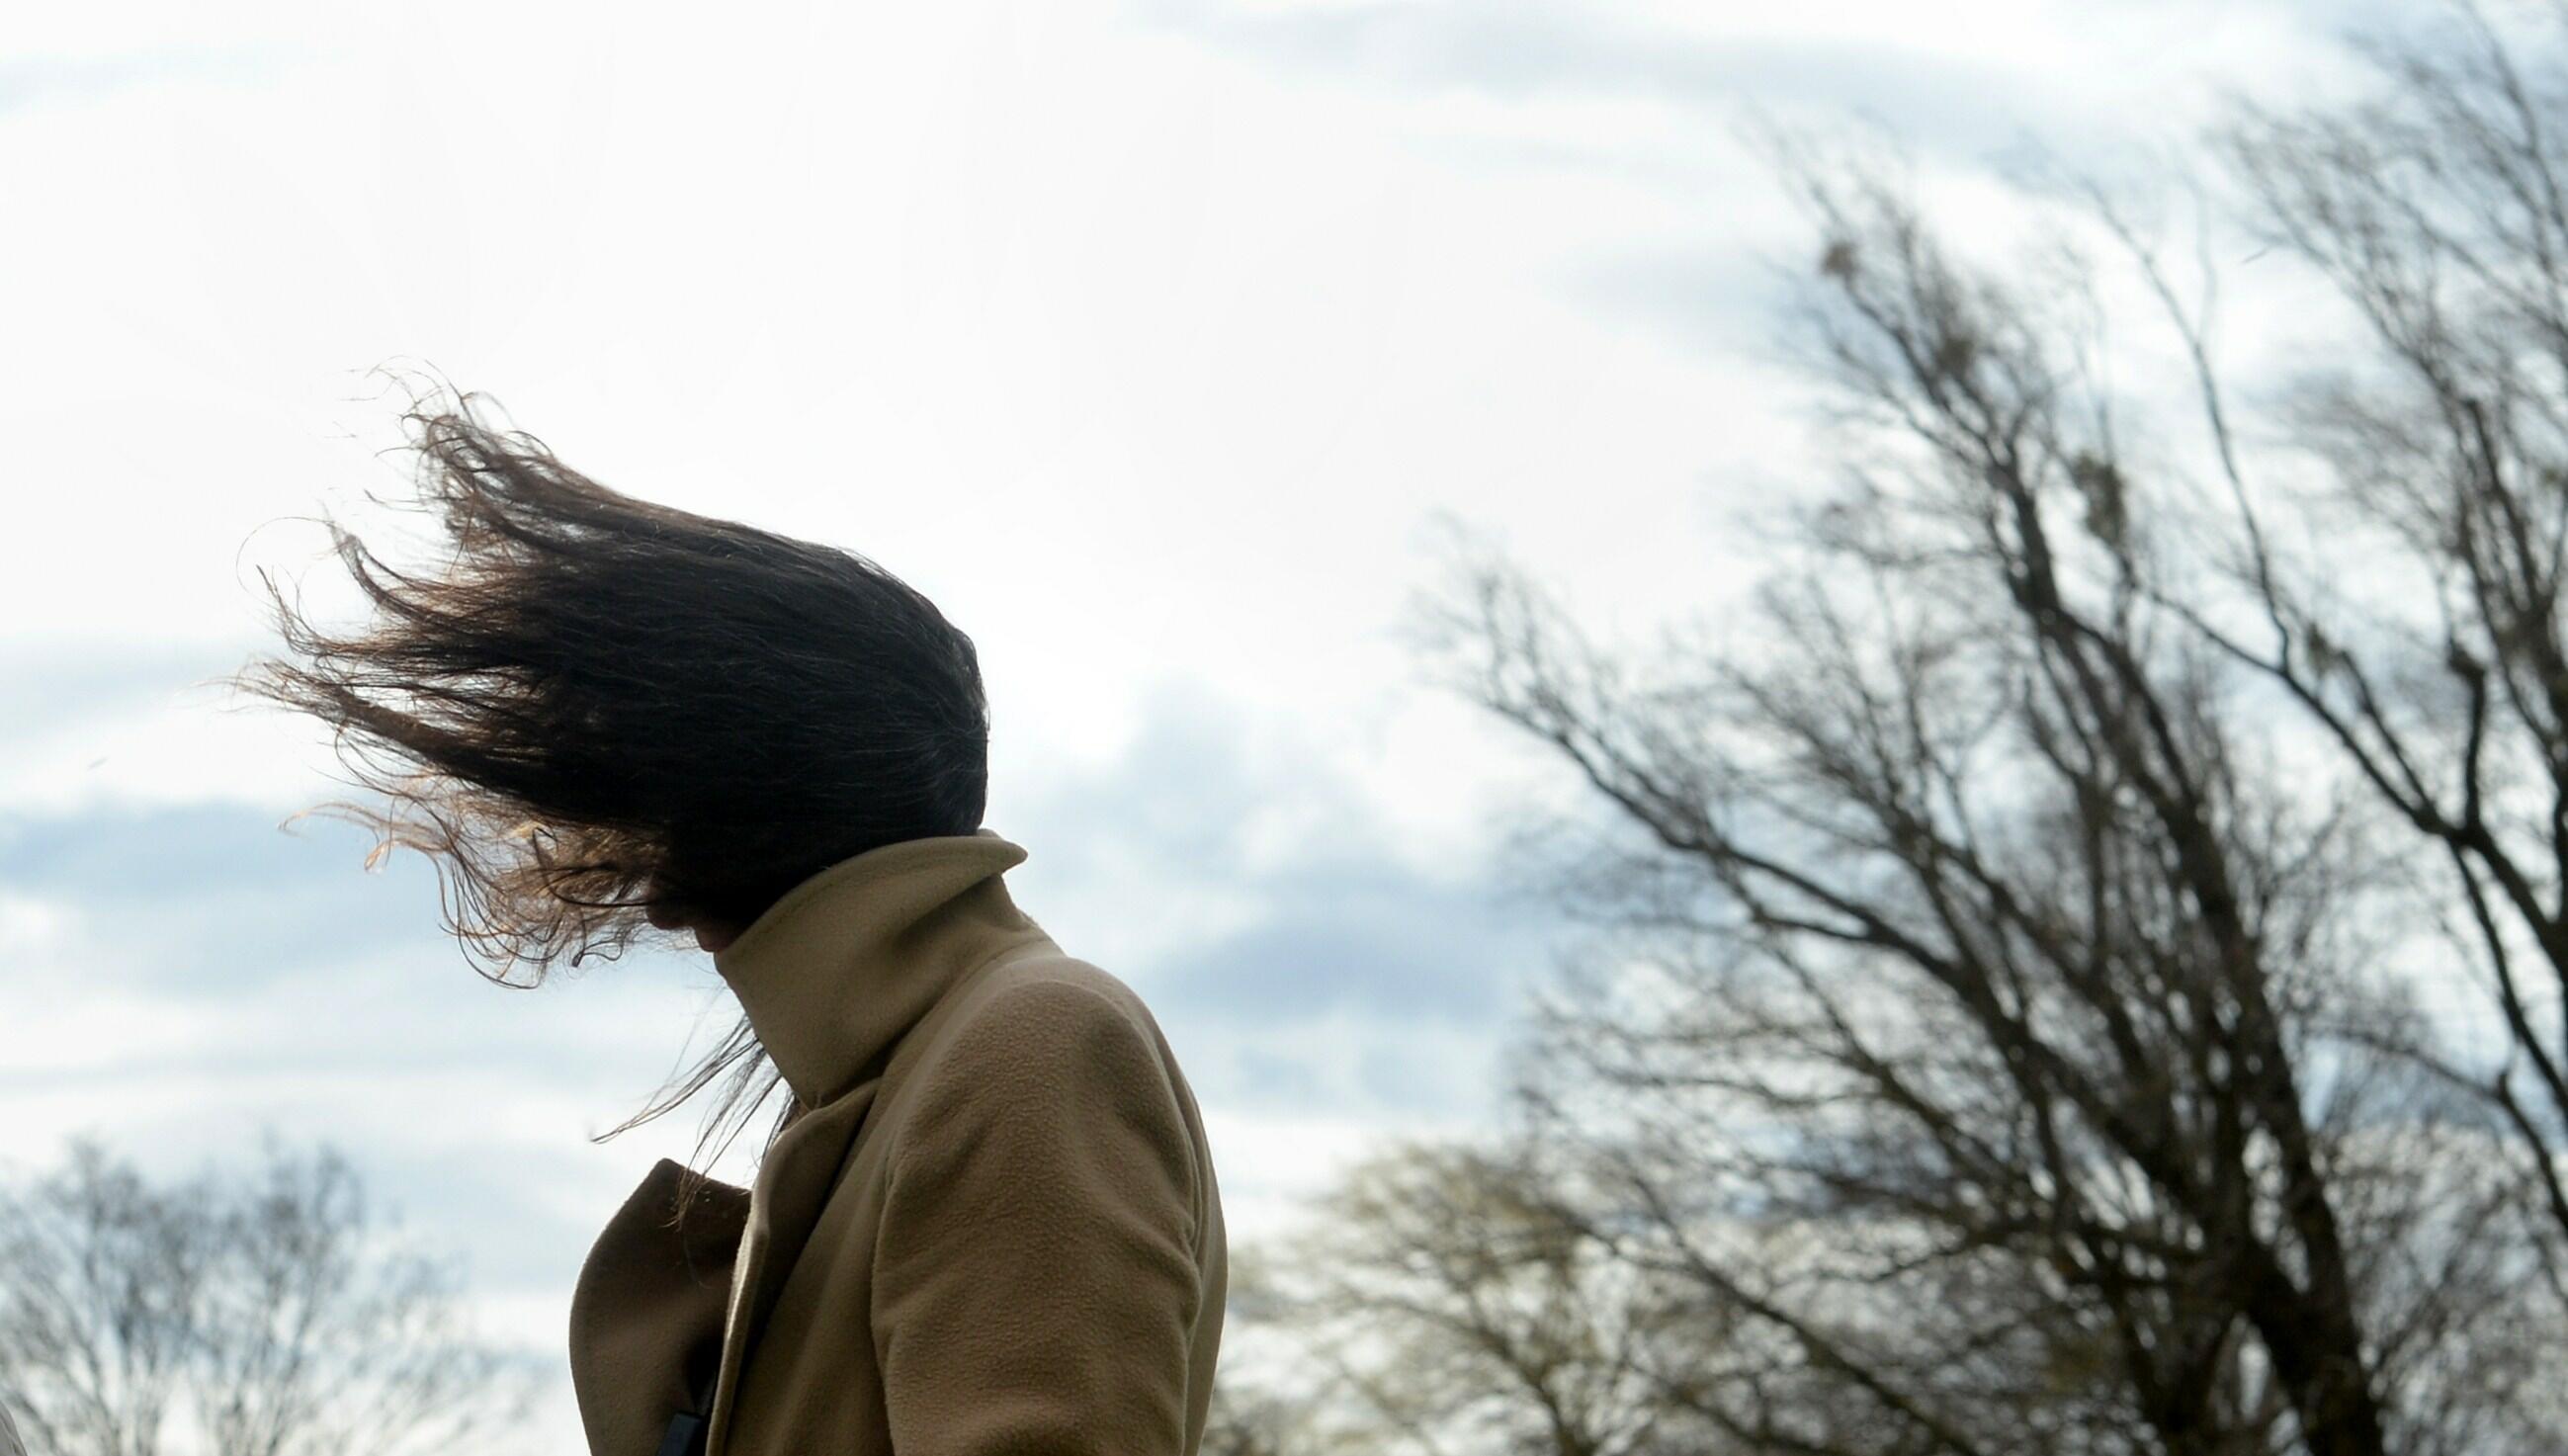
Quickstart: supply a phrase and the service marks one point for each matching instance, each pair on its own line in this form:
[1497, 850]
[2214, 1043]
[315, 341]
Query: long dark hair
[593, 705]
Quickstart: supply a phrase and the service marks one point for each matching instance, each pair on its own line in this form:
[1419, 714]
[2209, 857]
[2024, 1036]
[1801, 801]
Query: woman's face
[712, 934]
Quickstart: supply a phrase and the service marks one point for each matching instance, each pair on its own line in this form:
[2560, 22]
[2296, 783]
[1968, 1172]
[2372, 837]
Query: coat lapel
[796, 1180]
[646, 1319]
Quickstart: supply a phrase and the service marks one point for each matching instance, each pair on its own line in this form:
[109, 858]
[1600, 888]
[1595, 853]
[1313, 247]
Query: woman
[986, 1221]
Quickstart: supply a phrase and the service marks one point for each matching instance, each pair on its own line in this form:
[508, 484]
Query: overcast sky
[1148, 339]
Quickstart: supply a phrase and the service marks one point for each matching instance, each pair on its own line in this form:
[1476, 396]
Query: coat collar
[834, 972]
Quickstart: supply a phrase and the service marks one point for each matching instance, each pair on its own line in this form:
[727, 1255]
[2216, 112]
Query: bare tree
[1447, 1298]
[2435, 211]
[2016, 1007]
[266, 1313]
[1275, 1395]
[1256, 1423]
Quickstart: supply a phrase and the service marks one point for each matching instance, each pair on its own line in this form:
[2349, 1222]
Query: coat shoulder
[1029, 1011]
[1046, 1050]
[1064, 984]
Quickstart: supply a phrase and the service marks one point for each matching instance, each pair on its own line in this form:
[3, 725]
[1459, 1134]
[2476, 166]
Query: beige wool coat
[996, 1232]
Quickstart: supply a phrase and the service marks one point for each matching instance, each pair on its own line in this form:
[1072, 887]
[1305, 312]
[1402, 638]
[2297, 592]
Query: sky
[1154, 341]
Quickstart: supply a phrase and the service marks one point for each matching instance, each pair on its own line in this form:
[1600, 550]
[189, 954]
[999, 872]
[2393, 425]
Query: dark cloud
[325, 980]
[219, 903]
[215, 901]
[1362, 987]
[1328, 973]
[1344, 975]
[1364, 935]
[1346, 921]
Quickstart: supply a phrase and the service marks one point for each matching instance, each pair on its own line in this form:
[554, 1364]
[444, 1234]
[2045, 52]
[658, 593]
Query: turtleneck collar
[834, 972]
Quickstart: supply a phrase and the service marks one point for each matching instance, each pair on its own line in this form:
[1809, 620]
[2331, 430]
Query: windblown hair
[593, 705]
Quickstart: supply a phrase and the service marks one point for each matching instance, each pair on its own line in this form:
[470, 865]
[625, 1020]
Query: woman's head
[597, 713]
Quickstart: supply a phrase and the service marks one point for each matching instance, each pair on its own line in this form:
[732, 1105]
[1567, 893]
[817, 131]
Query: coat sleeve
[1035, 1285]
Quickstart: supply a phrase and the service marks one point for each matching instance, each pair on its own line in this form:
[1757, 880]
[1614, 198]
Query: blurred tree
[1454, 1303]
[2018, 1010]
[1249, 1419]
[266, 1313]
